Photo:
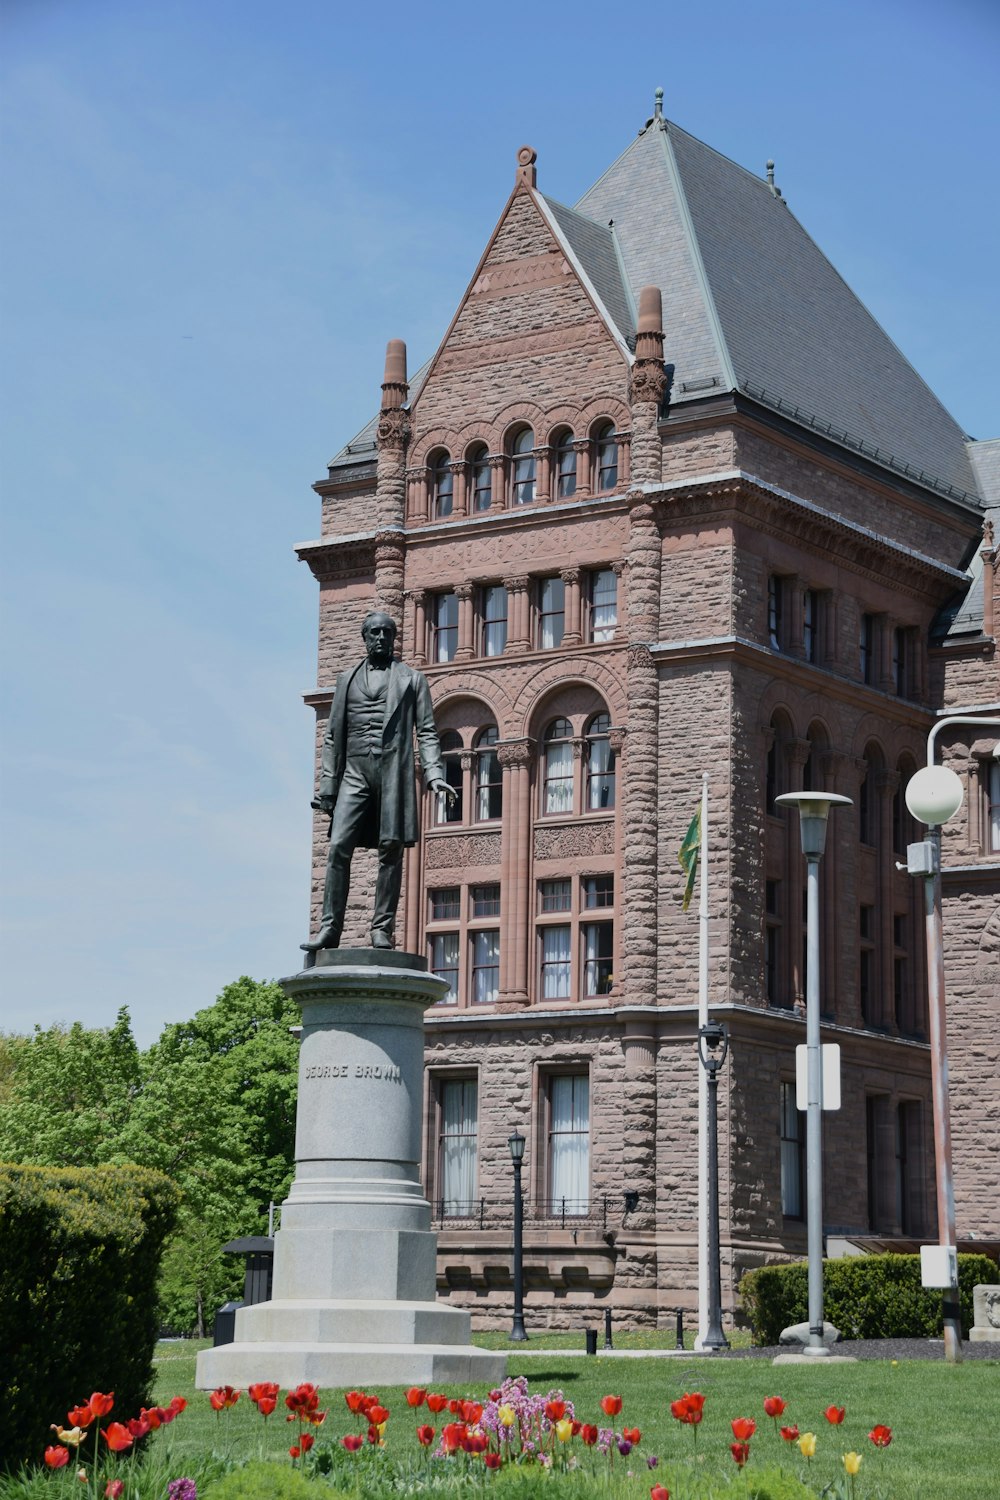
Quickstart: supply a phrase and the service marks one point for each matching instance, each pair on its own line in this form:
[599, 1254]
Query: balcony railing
[564, 1213]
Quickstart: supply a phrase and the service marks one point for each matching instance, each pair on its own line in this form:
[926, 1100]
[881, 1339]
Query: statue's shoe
[382, 939]
[327, 937]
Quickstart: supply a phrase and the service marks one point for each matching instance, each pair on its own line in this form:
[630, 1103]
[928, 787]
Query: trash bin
[590, 1334]
[225, 1323]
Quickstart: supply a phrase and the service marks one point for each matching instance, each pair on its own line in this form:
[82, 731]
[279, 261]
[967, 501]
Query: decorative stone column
[572, 613]
[459, 471]
[518, 622]
[581, 447]
[498, 463]
[515, 757]
[648, 386]
[389, 564]
[465, 648]
[392, 437]
[415, 632]
[545, 480]
[353, 1299]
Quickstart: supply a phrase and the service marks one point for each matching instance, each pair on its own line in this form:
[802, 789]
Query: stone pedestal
[985, 1315]
[353, 1294]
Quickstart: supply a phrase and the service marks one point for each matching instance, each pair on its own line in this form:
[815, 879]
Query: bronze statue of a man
[367, 783]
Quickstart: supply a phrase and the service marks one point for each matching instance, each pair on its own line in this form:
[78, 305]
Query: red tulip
[774, 1406]
[743, 1428]
[177, 1405]
[632, 1434]
[659, 1493]
[377, 1415]
[835, 1414]
[611, 1405]
[100, 1404]
[56, 1457]
[138, 1428]
[589, 1434]
[374, 1436]
[436, 1403]
[303, 1400]
[475, 1442]
[881, 1436]
[471, 1412]
[295, 1451]
[690, 1408]
[117, 1437]
[354, 1400]
[790, 1434]
[266, 1405]
[492, 1460]
[306, 1441]
[455, 1406]
[425, 1436]
[80, 1416]
[223, 1397]
[451, 1436]
[114, 1489]
[416, 1396]
[740, 1452]
[352, 1442]
[555, 1410]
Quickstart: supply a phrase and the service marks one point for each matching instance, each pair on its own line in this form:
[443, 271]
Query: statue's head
[378, 631]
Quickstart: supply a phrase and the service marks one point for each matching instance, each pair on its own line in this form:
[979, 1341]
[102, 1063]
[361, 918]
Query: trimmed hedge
[865, 1296]
[80, 1252]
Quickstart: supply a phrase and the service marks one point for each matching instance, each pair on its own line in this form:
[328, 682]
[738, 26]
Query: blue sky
[215, 214]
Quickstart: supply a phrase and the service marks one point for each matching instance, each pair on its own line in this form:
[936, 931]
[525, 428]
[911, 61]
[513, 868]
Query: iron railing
[564, 1213]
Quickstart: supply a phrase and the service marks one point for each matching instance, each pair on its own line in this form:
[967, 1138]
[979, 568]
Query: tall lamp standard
[814, 811]
[711, 1037]
[933, 796]
[515, 1142]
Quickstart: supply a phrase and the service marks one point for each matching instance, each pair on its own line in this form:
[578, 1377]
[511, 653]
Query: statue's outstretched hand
[448, 792]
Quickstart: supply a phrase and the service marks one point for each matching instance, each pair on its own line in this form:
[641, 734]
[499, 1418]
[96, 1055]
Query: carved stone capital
[516, 583]
[393, 432]
[515, 753]
[456, 466]
[496, 460]
[797, 752]
[648, 382]
[580, 445]
[416, 596]
[618, 567]
[640, 659]
[570, 575]
[464, 591]
[616, 739]
[886, 780]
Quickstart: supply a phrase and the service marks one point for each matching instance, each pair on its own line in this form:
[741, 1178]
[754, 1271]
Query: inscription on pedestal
[387, 1073]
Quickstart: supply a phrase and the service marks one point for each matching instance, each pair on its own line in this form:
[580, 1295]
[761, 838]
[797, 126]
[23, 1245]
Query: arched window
[489, 781]
[600, 764]
[868, 798]
[776, 776]
[557, 782]
[523, 468]
[606, 454]
[565, 466]
[442, 486]
[480, 478]
[451, 760]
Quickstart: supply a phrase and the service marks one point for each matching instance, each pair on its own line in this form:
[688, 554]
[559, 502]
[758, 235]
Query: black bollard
[680, 1328]
[607, 1329]
[591, 1336]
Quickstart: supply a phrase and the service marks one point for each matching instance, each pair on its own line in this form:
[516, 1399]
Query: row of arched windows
[525, 472]
[570, 783]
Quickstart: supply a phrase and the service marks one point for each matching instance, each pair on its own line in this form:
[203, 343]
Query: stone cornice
[340, 557]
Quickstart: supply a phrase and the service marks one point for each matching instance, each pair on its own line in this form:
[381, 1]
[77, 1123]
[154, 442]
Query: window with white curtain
[489, 777]
[494, 605]
[481, 479]
[598, 958]
[569, 1143]
[557, 790]
[444, 962]
[993, 804]
[600, 764]
[606, 452]
[792, 1155]
[485, 967]
[565, 467]
[523, 468]
[556, 962]
[444, 627]
[442, 486]
[603, 604]
[551, 612]
[458, 1147]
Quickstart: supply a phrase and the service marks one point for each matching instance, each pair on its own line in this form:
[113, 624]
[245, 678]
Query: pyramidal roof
[751, 304]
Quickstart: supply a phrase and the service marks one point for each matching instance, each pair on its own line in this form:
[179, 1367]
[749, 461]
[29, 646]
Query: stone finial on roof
[526, 173]
[394, 386]
[775, 191]
[658, 106]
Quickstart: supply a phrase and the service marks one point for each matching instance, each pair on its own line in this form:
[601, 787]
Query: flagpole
[702, 1075]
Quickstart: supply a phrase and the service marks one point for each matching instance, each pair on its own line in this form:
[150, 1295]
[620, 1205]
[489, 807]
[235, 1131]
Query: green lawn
[944, 1418]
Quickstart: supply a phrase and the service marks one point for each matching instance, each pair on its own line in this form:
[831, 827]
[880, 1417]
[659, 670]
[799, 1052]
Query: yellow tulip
[507, 1415]
[852, 1462]
[564, 1429]
[807, 1444]
[71, 1436]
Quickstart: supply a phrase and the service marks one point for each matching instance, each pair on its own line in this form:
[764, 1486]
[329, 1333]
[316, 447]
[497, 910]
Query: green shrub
[79, 1256]
[865, 1296]
[264, 1481]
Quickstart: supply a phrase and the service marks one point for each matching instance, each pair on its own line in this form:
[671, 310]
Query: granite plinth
[353, 1297]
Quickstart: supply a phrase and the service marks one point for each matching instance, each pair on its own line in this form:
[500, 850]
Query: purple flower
[652, 1461]
[182, 1489]
[624, 1447]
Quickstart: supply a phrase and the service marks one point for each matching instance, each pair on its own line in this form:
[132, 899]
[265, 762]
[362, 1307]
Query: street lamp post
[933, 796]
[515, 1142]
[814, 811]
[710, 1038]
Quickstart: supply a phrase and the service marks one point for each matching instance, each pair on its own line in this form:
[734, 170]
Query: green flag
[687, 855]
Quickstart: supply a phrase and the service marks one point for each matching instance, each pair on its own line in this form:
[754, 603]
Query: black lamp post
[710, 1038]
[517, 1334]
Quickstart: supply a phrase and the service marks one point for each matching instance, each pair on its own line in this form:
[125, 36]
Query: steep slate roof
[594, 247]
[967, 617]
[750, 303]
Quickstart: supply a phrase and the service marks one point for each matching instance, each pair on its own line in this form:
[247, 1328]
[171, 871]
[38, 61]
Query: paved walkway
[854, 1349]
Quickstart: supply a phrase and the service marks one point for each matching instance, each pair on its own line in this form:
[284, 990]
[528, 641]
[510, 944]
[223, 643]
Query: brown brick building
[667, 500]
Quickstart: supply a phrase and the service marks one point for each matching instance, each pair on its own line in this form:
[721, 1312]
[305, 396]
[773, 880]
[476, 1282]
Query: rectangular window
[866, 968]
[444, 627]
[445, 904]
[810, 625]
[598, 891]
[569, 1143]
[866, 645]
[444, 962]
[603, 604]
[486, 900]
[909, 1168]
[598, 958]
[793, 1147]
[775, 611]
[555, 963]
[777, 992]
[494, 600]
[485, 967]
[458, 1146]
[554, 895]
[482, 484]
[992, 805]
[901, 662]
[551, 613]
